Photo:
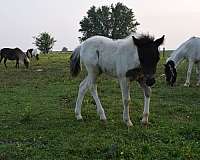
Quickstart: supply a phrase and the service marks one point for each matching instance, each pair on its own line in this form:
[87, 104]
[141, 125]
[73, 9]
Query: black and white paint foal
[126, 59]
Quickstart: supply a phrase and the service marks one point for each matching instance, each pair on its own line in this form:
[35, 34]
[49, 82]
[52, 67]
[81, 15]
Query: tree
[114, 22]
[123, 21]
[64, 49]
[44, 41]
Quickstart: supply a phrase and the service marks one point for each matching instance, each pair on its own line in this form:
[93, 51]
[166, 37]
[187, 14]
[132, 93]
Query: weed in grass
[26, 115]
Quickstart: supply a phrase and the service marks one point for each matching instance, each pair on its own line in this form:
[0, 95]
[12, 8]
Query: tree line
[114, 21]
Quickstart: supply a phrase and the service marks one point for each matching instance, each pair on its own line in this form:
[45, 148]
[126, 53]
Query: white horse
[188, 50]
[126, 59]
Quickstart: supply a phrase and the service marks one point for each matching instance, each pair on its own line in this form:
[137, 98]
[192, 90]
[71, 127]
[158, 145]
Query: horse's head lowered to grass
[22, 57]
[148, 55]
[14, 54]
[170, 72]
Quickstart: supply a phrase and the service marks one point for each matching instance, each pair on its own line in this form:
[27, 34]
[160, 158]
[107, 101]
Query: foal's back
[114, 57]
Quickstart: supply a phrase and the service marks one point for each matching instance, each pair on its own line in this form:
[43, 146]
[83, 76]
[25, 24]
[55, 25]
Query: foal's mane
[146, 39]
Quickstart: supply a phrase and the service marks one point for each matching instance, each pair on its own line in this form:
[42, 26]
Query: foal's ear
[159, 41]
[136, 41]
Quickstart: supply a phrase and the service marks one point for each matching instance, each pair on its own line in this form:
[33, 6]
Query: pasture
[37, 116]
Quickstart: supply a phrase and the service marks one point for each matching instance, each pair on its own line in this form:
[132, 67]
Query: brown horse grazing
[14, 54]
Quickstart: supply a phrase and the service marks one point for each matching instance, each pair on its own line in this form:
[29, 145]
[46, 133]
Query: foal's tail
[75, 66]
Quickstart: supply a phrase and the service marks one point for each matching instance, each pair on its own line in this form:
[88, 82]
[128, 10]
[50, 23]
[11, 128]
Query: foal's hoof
[145, 121]
[144, 124]
[79, 117]
[186, 85]
[129, 123]
[103, 117]
[103, 120]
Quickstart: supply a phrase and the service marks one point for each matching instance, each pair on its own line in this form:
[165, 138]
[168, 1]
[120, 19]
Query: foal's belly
[108, 70]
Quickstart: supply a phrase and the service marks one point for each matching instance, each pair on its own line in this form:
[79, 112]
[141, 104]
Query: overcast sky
[20, 20]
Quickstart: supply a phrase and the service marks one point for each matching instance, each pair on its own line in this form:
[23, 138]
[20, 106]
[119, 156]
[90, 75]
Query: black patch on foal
[148, 55]
[99, 68]
[135, 74]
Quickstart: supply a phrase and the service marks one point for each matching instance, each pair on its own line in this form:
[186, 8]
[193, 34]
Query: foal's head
[170, 72]
[148, 55]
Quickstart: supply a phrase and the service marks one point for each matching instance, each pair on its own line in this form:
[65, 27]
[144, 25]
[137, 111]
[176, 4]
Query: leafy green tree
[44, 42]
[64, 49]
[123, 21]
[115, 21]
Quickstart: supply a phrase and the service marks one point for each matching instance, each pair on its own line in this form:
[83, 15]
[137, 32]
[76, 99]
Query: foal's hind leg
[100, 109]
[83, 87]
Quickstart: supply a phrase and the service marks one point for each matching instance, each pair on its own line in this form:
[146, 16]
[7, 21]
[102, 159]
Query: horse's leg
[1, 59]
[83, 87]
[5, 59]
[147, 92]
[37, 56]
[126, 100]
[94, 93]
[198, 73]
[187, 82]
[16, 66]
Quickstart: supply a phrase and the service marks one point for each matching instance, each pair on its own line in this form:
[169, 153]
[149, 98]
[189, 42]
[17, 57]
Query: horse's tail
[37, 57]
[1, 56]
[75, 66]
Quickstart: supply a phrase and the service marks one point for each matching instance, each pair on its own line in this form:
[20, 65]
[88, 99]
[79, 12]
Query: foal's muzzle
[150, 80]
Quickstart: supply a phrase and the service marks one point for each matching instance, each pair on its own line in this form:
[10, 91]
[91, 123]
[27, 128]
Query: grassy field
[37, 117]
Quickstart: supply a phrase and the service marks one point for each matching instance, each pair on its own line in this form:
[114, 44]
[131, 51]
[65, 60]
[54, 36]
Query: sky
[20, 20]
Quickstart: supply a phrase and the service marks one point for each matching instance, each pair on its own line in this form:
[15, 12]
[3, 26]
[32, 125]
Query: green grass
[37, 116]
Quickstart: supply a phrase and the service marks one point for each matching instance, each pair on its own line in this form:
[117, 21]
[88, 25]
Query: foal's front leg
[126, 100]
[147, 91]
[100, 110]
